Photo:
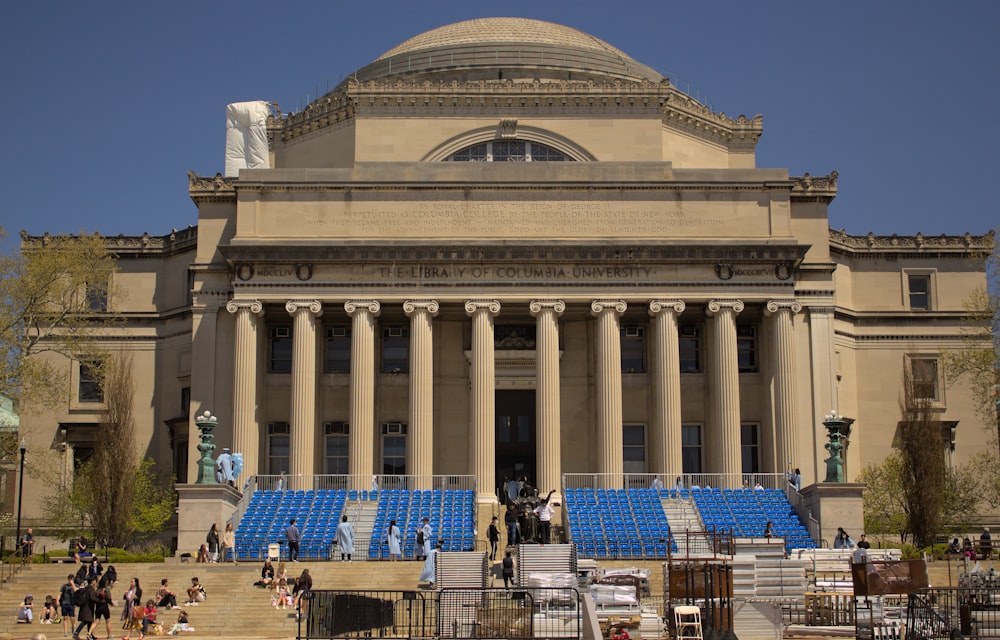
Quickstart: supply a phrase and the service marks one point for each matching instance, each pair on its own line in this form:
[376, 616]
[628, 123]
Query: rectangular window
[919, 291]
[690, 348]
[746, 348]
[89, 388]
[750, 447]
[338, 349]
[514, 337]
[278, 444]
[185, 401]
[634, 448]
[281, 350]
[395, 350]
[337, 447]
[394, 449]
[924, 376]
[633, 340]
[691, 448]
[97, 296]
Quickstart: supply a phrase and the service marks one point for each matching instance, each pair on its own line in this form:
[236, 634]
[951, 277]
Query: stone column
[609, 389]
[724, 389]
[302, 454]
[420, 441]
[547, 406]
[246, 431]
[783, 365]
[362, 426]
[824, 384]
[204, 338]
[483, 381]
[665, 431]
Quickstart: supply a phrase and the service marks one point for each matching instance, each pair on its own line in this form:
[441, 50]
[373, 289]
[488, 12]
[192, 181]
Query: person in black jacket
[85, 616]
[493, 535]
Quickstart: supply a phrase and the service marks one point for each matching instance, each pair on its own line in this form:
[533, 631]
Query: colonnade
[664, 421]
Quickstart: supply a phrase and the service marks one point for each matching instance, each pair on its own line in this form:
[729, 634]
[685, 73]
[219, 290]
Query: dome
[511, 48]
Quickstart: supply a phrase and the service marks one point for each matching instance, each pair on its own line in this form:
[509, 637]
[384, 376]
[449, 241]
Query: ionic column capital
[715, 306]
[538, 306]
[597, 307]
[656, 307]
[371, 306]
[256, 307]
[774, 306]
[473, 306]
[412, 306]
[312, 306]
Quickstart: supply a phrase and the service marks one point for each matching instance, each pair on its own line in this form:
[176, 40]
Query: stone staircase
[234, 608]
[682, 515]
[362, 515]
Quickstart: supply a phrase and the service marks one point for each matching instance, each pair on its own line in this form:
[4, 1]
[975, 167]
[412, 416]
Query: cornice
[808, 188]
[842, 242]
[218, 188]
[123, 246]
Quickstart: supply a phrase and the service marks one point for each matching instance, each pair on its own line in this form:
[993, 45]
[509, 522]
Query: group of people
[967, 549]
[295, 593]
[218, 548]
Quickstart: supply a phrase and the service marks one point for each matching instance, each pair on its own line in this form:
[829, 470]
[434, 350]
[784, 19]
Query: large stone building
[506, 247]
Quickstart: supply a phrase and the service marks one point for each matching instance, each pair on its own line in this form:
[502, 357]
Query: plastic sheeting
[246, 136]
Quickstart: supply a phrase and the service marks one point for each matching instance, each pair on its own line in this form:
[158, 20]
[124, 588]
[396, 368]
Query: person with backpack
[85, 599]
[102, 608]
[66, 604]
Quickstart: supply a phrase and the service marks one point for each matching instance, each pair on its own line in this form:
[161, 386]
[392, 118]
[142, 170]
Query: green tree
[922, 452]
[53, 299]
[885, 509]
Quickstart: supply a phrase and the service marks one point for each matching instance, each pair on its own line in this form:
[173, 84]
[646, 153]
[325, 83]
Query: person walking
[508, 570]
[493, 535]
[66, 609]
[345, 538]
[292, 536]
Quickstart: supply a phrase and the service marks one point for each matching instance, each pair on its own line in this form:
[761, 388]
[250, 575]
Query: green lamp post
[835, 463]
[206, 423]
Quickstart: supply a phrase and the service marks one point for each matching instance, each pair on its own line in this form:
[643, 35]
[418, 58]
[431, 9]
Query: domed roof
[519, 47]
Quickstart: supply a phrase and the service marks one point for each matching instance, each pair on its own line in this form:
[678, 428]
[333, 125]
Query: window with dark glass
[338, 349]
[691, 448]
[634, 448]
[97, 296]
[750, 448]
[508, 151]
[394, 448]
[633, 349]
[337, 455]
[89, 388]
[746, 348]
[689, 347]
[924, 374]
[919, 291]
[281, 350]
[278, 446]
[395, 349]
[185, 401]
[514, 337]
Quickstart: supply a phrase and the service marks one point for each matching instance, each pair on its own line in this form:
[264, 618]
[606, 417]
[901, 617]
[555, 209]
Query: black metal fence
[948, 613]
[449, 613]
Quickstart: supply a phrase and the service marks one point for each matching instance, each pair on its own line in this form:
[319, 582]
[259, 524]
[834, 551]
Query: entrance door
[515, 436]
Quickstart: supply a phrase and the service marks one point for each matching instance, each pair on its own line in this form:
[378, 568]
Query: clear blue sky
[108, 104]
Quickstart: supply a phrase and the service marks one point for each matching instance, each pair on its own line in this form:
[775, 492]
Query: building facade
[506, 248]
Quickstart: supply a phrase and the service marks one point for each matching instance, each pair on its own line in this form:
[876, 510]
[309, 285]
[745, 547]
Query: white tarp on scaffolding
[246, 136]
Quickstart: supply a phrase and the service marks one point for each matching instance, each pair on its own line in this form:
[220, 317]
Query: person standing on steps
[292, 536]
[345, 538]
[493, 535]
[395, 550]
[508, 570]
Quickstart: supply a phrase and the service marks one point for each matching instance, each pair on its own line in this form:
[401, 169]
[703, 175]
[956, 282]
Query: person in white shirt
[544, 511]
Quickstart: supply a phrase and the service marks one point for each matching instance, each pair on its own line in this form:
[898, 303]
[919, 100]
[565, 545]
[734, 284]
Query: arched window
[508, 151]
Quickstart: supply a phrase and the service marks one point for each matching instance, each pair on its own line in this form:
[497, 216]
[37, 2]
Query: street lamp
[20, 492]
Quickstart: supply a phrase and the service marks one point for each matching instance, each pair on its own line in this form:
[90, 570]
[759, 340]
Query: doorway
[515, 436]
